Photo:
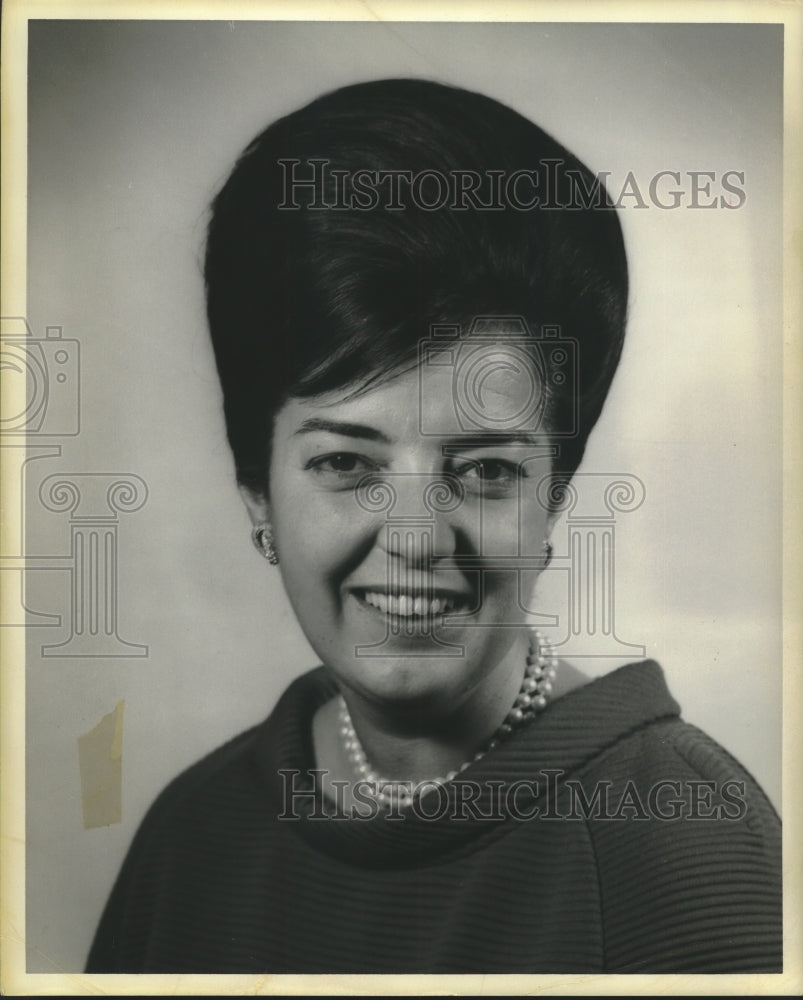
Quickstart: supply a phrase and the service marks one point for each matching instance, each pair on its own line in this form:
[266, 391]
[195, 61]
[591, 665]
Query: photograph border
[15, 980]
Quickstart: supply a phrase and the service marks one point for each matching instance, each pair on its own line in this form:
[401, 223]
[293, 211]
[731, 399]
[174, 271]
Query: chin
[425, 684]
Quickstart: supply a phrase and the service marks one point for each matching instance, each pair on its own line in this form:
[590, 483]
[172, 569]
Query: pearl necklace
[531, 699]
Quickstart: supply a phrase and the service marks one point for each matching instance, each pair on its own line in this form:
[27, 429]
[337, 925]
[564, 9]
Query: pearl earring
[262, 537]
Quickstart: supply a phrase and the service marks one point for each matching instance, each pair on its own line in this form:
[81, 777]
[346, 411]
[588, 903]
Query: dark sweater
[216, 882]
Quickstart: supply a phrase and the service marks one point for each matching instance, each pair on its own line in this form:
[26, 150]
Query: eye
[493, 470]
[341, 468]
[342, 462]
[491, 476]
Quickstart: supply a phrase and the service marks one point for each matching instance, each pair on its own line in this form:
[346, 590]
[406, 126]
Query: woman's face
[396, 529]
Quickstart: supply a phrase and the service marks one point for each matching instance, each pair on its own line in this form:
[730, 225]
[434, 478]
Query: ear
[256, 504]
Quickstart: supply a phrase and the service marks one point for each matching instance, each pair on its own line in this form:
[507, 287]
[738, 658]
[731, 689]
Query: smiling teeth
[408, 606]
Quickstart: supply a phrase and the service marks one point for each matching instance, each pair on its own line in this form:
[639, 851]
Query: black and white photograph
[393, 445]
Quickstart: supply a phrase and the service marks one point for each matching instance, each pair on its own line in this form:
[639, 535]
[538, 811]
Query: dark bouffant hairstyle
[317, 287]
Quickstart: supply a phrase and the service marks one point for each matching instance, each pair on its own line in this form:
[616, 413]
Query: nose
[420, 516]
[412, 545]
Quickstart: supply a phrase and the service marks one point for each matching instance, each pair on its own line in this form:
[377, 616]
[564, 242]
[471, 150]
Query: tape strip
[100, 758]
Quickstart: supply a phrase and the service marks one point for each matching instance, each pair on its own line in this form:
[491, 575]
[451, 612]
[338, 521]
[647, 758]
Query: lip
[413, 589]
[411, 605]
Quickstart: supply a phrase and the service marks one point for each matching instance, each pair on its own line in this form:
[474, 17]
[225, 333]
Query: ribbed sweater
[229, 875]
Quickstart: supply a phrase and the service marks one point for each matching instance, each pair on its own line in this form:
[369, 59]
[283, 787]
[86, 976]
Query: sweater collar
[561, 739]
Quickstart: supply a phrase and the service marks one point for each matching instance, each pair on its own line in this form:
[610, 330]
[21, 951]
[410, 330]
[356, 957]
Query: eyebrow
[453, 445]
[343, 429]
[495, 440]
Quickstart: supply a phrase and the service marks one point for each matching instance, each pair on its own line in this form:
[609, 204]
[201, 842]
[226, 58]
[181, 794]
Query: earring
[262, 537]
[547, 547]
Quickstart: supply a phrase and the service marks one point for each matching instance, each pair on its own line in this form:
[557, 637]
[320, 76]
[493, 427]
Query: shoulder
[240, 768]
[209, 829]
[680, 784]
[653, 759]
[688, 854]
[224, 769]
[225, 795]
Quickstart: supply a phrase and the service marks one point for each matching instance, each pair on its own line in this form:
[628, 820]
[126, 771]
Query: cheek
[318, 533]
[513, 528]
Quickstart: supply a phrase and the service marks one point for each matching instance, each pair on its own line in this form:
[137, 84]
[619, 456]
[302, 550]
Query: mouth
[412, 605]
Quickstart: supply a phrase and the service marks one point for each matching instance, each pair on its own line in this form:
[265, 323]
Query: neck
[410, 746]
[442, 747]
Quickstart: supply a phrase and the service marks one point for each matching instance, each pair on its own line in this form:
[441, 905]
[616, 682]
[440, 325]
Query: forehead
[465, 387]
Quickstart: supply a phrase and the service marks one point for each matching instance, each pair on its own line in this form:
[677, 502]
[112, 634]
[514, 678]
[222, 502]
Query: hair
[307, 299]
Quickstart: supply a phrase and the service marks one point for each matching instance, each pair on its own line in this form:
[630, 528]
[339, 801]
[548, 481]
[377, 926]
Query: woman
[387, 270]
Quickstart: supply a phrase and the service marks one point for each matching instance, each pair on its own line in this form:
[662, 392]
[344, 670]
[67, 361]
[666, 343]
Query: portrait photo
[393, 440]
